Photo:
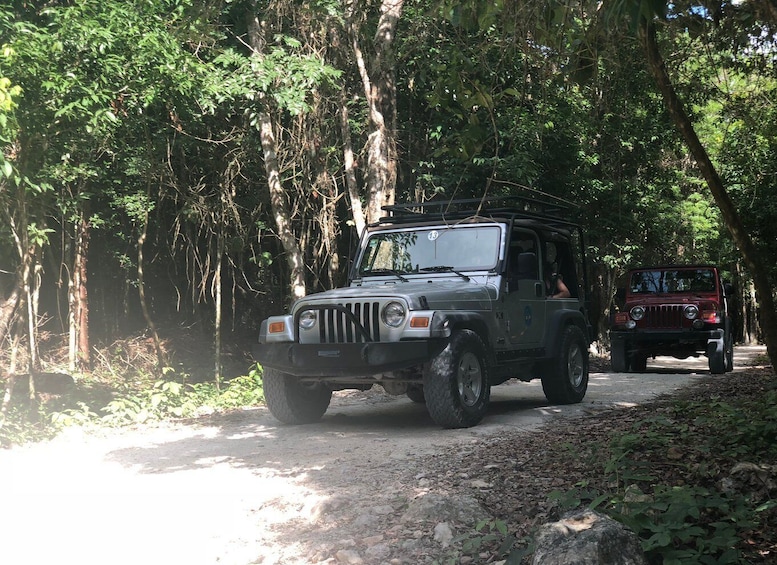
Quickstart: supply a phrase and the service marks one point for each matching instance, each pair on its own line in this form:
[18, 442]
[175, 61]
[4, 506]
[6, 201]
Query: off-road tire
[638, 364]
[717, 359]
[729, 353]
[565, 378]
[618, 360]
[292, 401]
[416, 394]
[456, 386]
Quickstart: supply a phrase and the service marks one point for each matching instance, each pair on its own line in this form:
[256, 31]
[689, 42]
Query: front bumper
[346, 359]
[658, 341]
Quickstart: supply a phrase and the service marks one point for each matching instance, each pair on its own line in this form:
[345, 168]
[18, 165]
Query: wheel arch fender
[555, 326]
[475, 322]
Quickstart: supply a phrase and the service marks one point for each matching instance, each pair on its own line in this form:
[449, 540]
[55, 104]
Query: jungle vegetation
[198, 164]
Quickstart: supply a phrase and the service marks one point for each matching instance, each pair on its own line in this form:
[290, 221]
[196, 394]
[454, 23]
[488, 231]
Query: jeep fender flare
[468, 320]
[555, 327]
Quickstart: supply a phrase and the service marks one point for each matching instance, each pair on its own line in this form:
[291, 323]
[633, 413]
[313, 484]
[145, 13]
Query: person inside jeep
[554, 283]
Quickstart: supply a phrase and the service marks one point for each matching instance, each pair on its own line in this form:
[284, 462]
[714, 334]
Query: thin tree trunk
[82, 244]
[349, 163]
[160, 356]
[72, 318]
[8, 308]
[217, 298]
[744, 243]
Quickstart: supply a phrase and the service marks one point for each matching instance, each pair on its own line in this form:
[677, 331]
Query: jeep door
[525, 299]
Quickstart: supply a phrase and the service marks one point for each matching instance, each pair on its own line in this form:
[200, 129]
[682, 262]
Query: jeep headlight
[307, 319]
[691, 311]
[637, 313]
[393, 314]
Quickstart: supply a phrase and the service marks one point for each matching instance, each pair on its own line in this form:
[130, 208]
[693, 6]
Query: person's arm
[561, 289]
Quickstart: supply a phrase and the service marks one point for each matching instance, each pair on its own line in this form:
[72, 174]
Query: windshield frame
[427, 249]
[683, 280]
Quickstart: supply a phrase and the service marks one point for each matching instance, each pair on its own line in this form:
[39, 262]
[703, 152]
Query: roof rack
[514, 206]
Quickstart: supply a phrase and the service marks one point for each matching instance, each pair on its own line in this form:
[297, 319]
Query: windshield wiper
[384, 272]
[443, 269]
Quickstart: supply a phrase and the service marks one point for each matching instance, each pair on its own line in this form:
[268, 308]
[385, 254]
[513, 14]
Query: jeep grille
[335, 325]
[664, 316]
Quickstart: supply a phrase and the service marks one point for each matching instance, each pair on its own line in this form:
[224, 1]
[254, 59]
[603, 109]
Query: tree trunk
[217, 299]
[280, 209]
[349, 163]
[8, 308]
[278, 201]
[160, 355]
[380, 92]
[82, 245]
[744, 243]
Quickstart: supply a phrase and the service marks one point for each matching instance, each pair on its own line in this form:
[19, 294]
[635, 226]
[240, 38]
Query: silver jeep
[444, 301]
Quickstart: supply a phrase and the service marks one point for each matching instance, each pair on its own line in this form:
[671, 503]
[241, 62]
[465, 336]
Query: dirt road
[240, 489]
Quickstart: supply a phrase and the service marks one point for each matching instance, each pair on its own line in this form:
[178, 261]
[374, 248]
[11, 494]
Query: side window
[559, 261]
[523, 258]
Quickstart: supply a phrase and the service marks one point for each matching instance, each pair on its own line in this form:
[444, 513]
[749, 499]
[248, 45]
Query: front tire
[717, 359]
[729, 355]
[566, 378]
[456, 386]
[292, 401]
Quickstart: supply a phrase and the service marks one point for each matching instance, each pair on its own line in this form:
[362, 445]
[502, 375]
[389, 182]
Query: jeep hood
[427, 295]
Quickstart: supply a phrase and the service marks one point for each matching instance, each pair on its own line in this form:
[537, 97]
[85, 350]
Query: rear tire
[618, 357]
[638, 364]
[456, 386]
[416, 394]
[292, 401]
[566, 379]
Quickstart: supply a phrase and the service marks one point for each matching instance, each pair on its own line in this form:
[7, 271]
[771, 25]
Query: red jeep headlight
[691, 311]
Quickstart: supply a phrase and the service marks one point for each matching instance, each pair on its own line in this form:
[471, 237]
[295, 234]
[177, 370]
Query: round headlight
[307, 319]
[638, 312]
[691, 311]
[393, 314]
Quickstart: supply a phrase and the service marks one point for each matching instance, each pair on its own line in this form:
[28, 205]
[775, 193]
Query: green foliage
[142, 402]
[488, 535]
[172, 399]
[691, 521]
[688, 524]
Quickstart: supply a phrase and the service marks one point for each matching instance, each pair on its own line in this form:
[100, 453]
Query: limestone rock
[585, 537]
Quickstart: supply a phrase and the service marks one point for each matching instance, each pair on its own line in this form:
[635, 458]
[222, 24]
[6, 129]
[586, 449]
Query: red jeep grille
[664, 316]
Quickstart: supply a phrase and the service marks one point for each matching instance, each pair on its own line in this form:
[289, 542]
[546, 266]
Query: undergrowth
[665, 479]
[93, 404]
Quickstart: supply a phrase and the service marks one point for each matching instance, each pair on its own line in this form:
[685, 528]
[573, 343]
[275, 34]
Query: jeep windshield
[452, 249]
[668, 281]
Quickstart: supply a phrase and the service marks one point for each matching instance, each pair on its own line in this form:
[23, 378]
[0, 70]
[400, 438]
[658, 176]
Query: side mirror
[728, 288]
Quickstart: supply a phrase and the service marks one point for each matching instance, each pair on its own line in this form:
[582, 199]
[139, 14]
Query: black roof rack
[503, 206]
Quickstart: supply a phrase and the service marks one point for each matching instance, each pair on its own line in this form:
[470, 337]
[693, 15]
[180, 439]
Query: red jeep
[680, 311]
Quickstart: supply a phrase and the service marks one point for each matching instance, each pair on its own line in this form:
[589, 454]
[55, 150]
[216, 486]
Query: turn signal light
[276, 328]
[710, 316]
[419, 322]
